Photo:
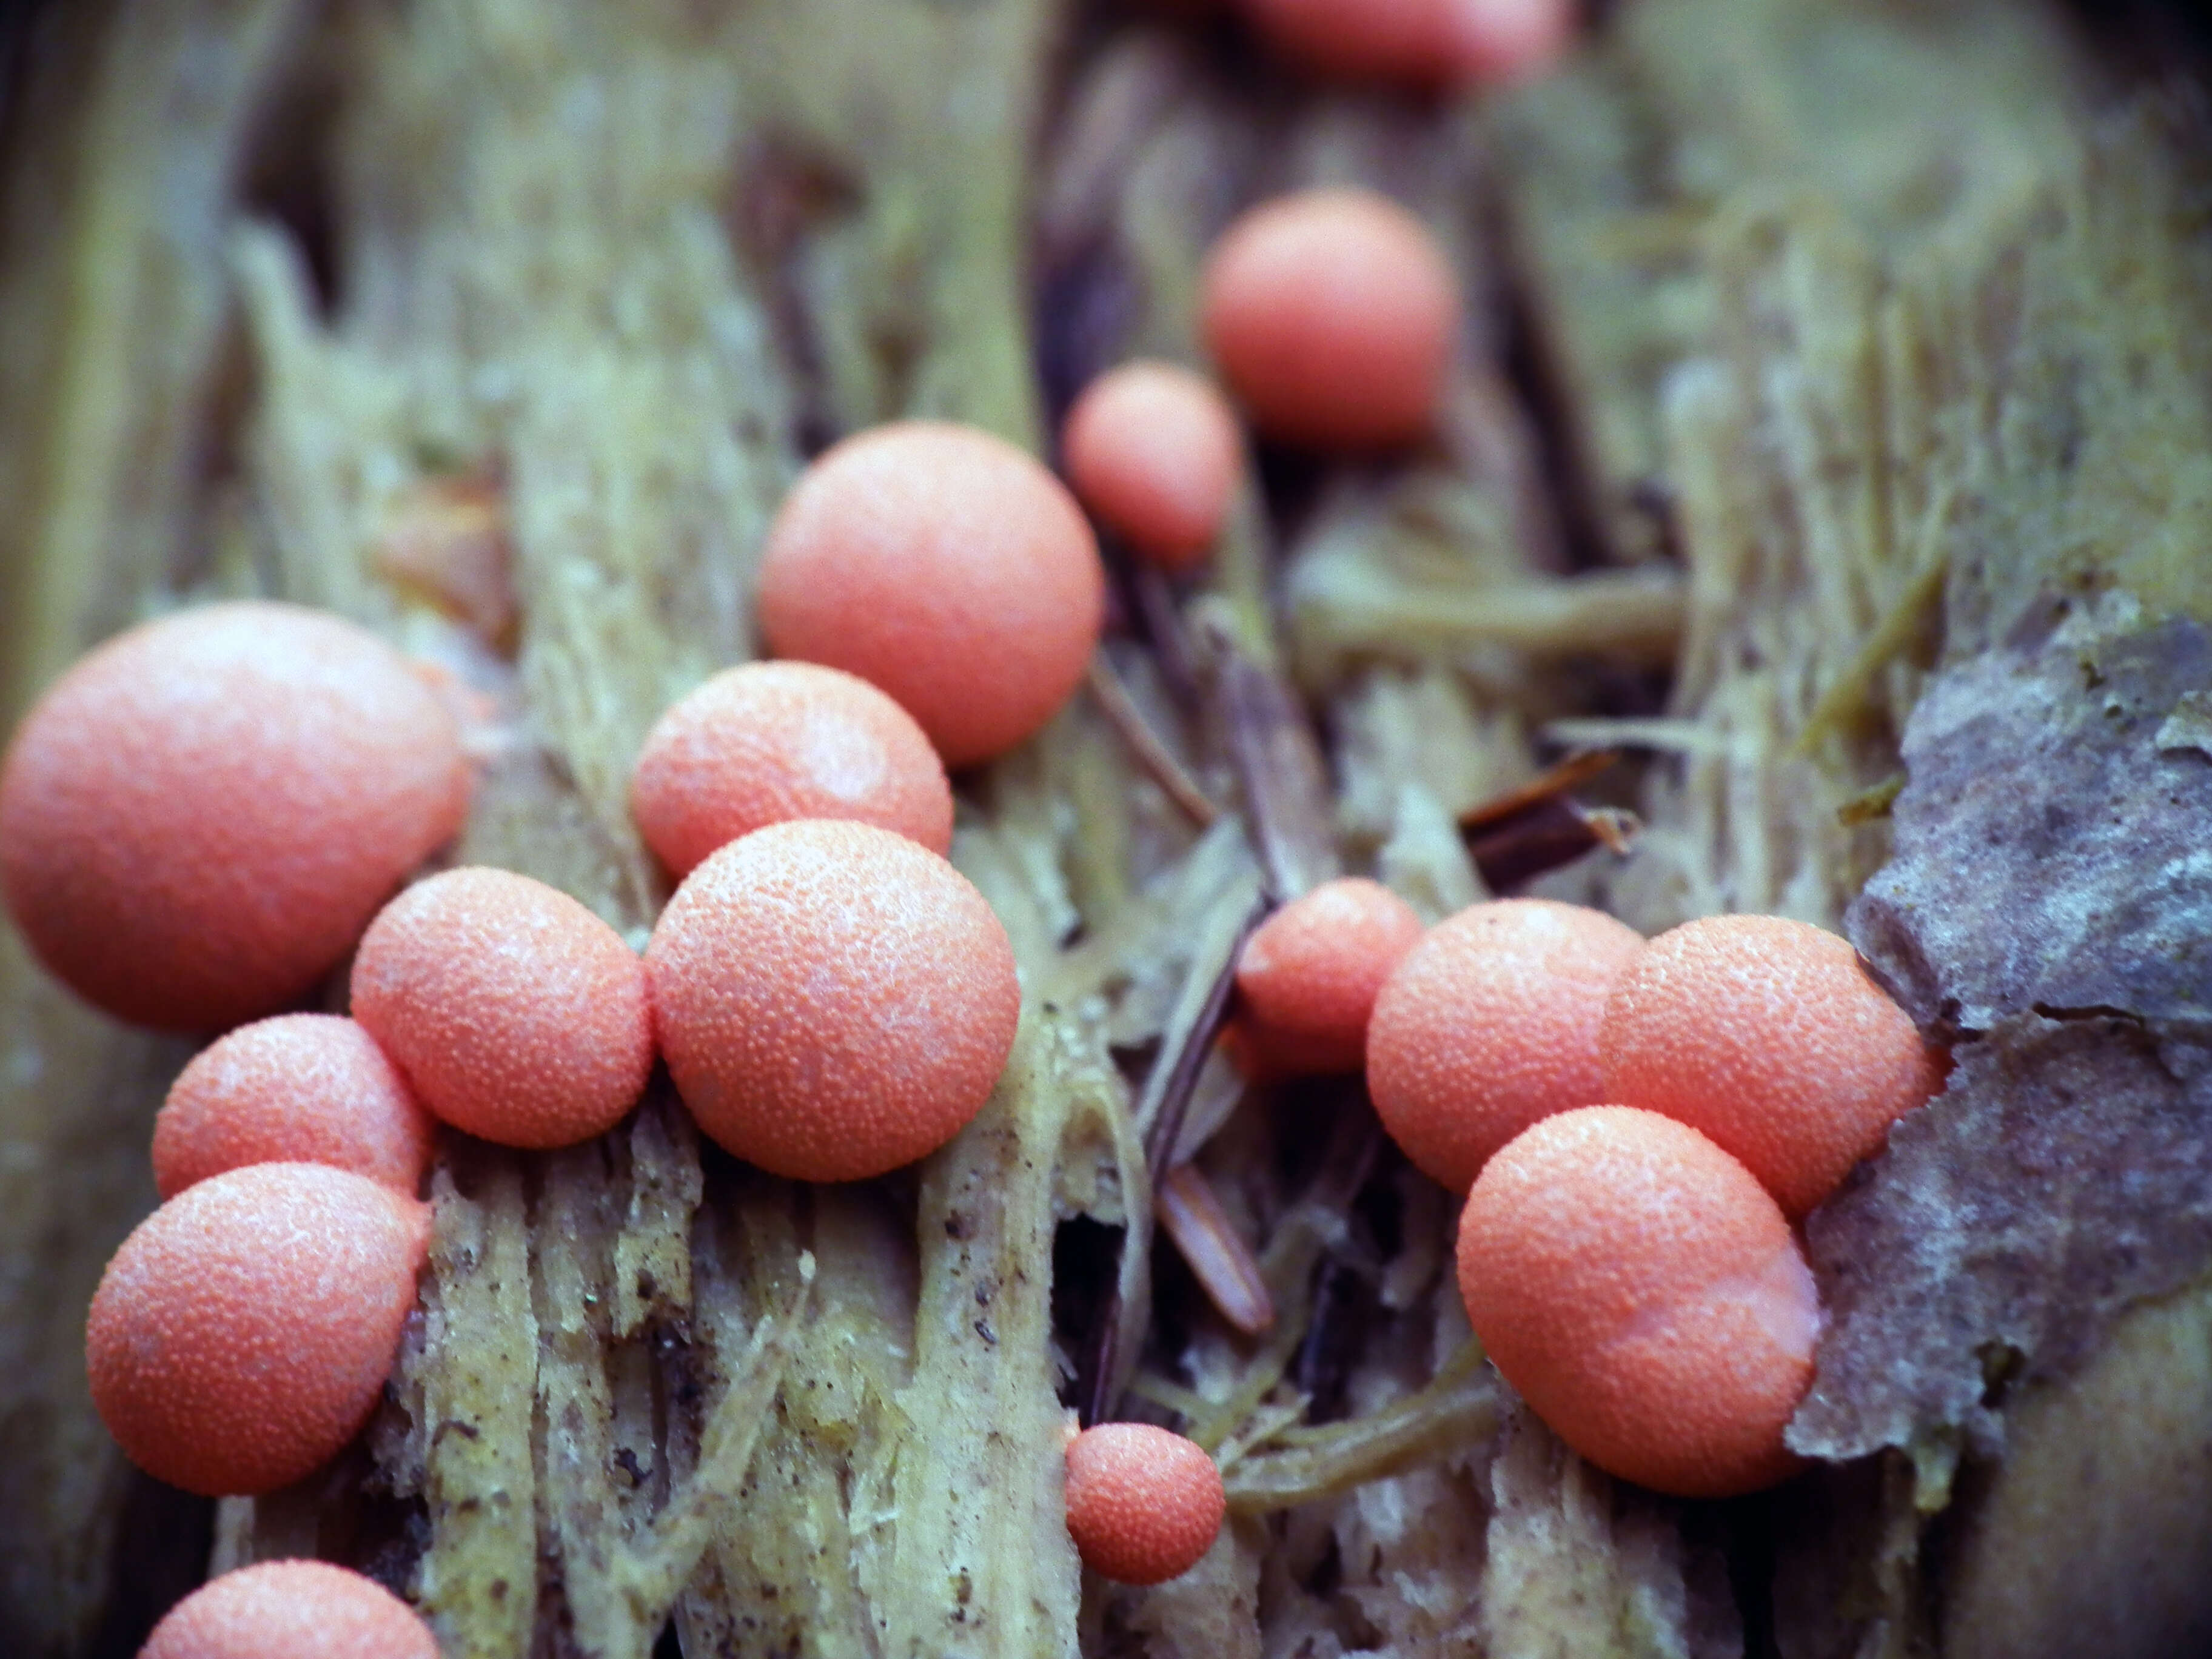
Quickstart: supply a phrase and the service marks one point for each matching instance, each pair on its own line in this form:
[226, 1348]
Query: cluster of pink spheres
[1636, 1127]
[205, 816]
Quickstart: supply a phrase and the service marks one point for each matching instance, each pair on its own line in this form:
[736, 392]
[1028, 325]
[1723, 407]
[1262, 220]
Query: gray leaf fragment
[2051, 890]
[2053, 847]
[2064, 1174]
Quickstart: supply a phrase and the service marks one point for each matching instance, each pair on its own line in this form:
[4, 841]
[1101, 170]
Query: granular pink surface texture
[772, 741]
[291, 1610]
[517, 1014]
[297, 1089]
[243, 1331]
[198, 820]
[833, 1000]
[1645, 1296]
[945, 567]
[1144, 1503]
[1491, 1023]
[1768, 1036]
[1310, 973]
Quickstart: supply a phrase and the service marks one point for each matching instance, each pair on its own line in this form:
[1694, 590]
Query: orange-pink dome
[833, 1001]
[769, 741]
[1645, 1296]
[945, 567]
[297, 1089]
[517, 1014]
[1333, 315]
[198, 819]
[291, 1610]
[242, 1333]
[1144, 1503]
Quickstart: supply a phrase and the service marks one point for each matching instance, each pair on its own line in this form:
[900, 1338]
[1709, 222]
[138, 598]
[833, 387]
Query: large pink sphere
[199, 818]
[945, 567]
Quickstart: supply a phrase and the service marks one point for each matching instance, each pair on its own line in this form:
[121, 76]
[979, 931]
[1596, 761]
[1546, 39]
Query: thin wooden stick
[1552, 833]
[1615, 828]
[1287, 805]
[1192, 1217]
[1162, 623]
[1176, 1071]
[1568, 773]
[1159, 764]
[1518, 836]
[1166, 1119]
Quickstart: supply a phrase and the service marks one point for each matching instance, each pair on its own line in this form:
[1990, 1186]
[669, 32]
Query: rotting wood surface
[1793, 397]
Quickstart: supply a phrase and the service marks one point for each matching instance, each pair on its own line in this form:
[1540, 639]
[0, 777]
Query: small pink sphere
[945, 567]
[198, 819]
[1144, 1503]
[1423, 43]
[1310, 973]
[297, 1089]
[769, 741]
[1507, 41]
[518, 1015]
[243, 1331]
[1332, 315]
[1155, 452]
[289, 1610]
